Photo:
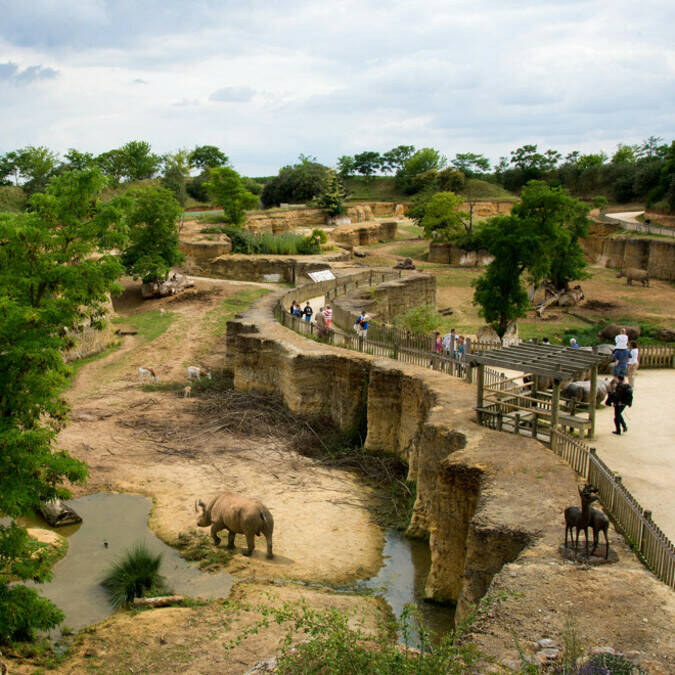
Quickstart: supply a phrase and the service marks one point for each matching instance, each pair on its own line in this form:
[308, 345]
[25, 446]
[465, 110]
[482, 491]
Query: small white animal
[196, 373]
[142, 372]
[186, 391]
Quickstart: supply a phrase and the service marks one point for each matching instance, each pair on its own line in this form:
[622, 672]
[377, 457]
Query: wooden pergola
[539, 361]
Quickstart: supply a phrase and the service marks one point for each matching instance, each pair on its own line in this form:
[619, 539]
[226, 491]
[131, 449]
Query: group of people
[308, 312]
[450, 345]
[361, 324]
[626, 362]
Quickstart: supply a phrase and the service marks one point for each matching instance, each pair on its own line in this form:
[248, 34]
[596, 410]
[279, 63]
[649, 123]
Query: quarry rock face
[489, 503]
[365, 234]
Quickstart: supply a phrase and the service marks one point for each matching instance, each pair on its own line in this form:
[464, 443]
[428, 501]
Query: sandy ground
[154, 443]
[644, 456]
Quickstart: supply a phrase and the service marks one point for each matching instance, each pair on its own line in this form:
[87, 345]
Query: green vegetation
[46, 554]
[299, 183]
[422, 319]
[56, 270]
[339, 643]
[198, 547]
[150, 325]
[12, 199]
[442, 218]
[76, 365]
[152, 218]
[332, 195]
[267, 243]
[231, 306]
[226, 189]
[134, 575]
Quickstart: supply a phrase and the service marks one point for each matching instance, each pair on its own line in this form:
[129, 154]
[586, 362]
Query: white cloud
[267, 81]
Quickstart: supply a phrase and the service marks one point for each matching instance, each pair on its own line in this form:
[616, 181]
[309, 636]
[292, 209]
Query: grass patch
[486, 191]
[209, 218]
[266, 243]
[150, 325]
[198, 547]
[412, 249]
[76, 365]
[218, 317]
[47, 554]
[134, 575]
[378, 189]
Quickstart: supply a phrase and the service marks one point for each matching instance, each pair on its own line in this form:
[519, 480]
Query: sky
[268, 80]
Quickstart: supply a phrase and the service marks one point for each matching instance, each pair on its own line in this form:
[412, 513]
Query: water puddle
[403, 576]
[122, 521]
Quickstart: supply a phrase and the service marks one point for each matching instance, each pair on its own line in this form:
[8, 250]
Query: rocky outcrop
[206, 250]
[366, 234]
[448, 254]
[657, 256]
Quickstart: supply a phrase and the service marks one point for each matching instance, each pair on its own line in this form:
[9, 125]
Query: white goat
[196, 373]
[142, 372]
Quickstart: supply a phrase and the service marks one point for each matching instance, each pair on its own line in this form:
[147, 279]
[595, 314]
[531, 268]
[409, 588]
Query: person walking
[573, 343]
[620, 357]
[633, 363]
[449, 342]
[328, 313]
[321, 324]
[621, 397]
[308, 311]
[364, 324]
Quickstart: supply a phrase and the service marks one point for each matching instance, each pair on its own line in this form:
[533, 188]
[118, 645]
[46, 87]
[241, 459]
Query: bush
[422, 319]
[23, 612]
[271, 244]
[133, 575]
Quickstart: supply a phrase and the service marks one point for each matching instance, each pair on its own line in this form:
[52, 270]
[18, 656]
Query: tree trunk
[57, 513]
[162, 601]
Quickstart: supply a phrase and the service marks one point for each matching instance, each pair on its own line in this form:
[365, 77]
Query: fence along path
[647, 539]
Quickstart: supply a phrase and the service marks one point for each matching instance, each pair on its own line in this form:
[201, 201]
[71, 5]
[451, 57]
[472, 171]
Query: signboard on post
[321, 275]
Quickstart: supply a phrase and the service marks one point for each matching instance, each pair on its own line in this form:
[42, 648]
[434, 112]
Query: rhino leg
[250, 542]
[269, 545]
[215, 528]
[230, 539]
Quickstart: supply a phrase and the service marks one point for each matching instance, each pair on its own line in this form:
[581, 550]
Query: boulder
[399, 211]
[406, 264]
[665, 335]
[612, 330]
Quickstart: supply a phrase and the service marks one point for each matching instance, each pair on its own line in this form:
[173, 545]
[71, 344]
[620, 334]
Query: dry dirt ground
[150, 440]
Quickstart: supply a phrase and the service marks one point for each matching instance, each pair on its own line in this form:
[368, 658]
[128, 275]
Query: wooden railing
[657, 356]
[636, 524]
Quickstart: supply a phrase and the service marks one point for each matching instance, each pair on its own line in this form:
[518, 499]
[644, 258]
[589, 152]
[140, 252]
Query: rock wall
[657, 256]
[285, 220]
[199, 251]
[421, 415]
[448, 254]
[366, 234]
[274, 268]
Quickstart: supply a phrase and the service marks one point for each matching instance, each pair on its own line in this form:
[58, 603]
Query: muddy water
[122, 521]
[402, 577]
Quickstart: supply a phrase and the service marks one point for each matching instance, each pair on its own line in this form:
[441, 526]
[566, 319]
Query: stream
[122, 521]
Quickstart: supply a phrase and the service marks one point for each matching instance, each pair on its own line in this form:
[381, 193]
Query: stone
[405, 264]
[399, 211]
[359, 253]
[264, 666]
[546, 643]
[603, 650]
[548, 655]
[665, 335]
[57, 513]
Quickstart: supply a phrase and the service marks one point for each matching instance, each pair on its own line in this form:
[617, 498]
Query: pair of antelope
[581, 518]
[194, 373]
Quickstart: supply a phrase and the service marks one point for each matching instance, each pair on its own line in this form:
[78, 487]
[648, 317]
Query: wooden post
[555, 403]
[647, 516]
[591, 401]
[479, 385]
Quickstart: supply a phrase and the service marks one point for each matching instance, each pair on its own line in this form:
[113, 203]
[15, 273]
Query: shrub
[422, 319]
[133, 575]
[271, 244]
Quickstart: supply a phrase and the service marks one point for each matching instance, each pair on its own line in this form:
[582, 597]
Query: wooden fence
[636, 524]
[657, 356]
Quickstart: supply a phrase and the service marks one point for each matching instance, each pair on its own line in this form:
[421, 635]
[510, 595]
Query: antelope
[142, 372]
[196, 373]
[580, 518]
[186, 391]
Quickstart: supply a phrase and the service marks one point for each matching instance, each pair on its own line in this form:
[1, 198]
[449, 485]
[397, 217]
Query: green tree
[226, 189]
[471, 164]
[176, 171]
[138, 160]
[367, 163]
[393, 160]
[112, 163]
[300, 182]
[35, 165]
[153, 215]
[423, 161]
[208, 157]
[79, 161]
[625, 154]
[332, 195]
[442, 218]
[346, 166]
[56, 271]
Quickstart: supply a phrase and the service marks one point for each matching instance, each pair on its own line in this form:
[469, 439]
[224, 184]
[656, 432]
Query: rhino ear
[198, 503]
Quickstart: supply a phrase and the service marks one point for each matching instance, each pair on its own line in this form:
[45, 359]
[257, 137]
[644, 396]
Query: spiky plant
[136, 572]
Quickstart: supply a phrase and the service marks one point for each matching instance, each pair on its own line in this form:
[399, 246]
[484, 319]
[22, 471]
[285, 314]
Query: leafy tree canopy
[471, 164]
[35, 165]
[226, 189]
[298, 183]
[55, 271]
[346, 166]
[153, 214]
[394, 159]
[333, 194]
[138, 160]
[367, 163]
[208, 157]
[175, 174]
[442, 218]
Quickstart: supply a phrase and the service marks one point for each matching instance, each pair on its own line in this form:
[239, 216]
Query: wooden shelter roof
[558, 363]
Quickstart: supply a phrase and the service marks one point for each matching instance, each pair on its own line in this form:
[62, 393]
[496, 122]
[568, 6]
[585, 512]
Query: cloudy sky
[268, 80]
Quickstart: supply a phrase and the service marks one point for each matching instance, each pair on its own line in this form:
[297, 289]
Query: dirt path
[157, 443]
[644, 456]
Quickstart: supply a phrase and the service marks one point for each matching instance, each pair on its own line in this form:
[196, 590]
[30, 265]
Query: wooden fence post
[646, 516]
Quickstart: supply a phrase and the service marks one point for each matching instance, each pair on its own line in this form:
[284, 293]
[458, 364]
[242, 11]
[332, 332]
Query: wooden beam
[555, 403]
[591, 401]
[480, 381]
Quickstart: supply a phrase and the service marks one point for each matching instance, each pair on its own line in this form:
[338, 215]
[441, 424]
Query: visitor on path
[620, 357]
[293, 310]
[329, 315]
[449, 342]
[364, 324]
[436, 347]
[308, 311]
[573, 344]
[546, 341]
[621, 340]
[620, 397]
[357, 324]
[633, 363]
[460, 350]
